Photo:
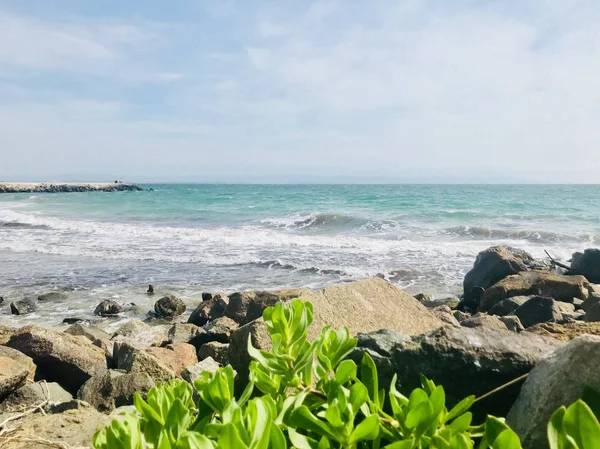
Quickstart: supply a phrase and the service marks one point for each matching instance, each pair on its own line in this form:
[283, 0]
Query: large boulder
[33, 394]
[539, 283]
[558, 380]
[184, 332]
[194, 372]
[135, 360]
[209, 310]
[587, 264]
[493, 265]
[508, 305]
[244, 307]
[53, 296]
[464, 360]
[216, 351]
[590, 302]
[110, 389]
[593, 315]
[24, 360]
[176, 356]
[5, 334]
[238, 348]
[60, 357]
[13, 376]
[108, 307]
[538, 309]
[169, 306]
[23, 306]
[141, 334]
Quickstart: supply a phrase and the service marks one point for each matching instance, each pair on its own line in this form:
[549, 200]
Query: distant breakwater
[61, 187]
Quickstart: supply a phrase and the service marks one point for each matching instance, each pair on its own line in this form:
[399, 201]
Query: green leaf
[580, 424]
[304, 419]
[460, 408]
[277, 440]
[506, 440]
[230, 439]
[461, 441]
[366, 430]
[302, 441]
[346, 371]
[368, 376]
[194, 440]
[419, 414]
[405, 444]
[557, 438]
[461, 424]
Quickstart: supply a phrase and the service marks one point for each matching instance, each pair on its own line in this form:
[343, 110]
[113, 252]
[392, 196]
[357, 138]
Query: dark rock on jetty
[169, 306]
[587, 264]
[108, 308]
[23, 307]
[43, 187]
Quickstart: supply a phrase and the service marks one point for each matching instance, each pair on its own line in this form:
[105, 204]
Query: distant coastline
[56, 187]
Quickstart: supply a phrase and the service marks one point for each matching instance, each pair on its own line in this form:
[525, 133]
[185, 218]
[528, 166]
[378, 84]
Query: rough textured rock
[538, 309]
[244, 307]
[72, 428]
[464, 360]
[23, 359]
[169, 306]
[53, 296]
[135, 360]
[13, 376]
[191, 373]
[590, 302]
[184, 332]
[209, 310]
[108, 308]
[176, 356]
[142, 335]
[23, 307]
[444, 314]
[587, 264]
[593, 315]
[493, 265]
[508, 305]
[206, 296]
[460, 315]
[558, 380]
[215, 350]
[512, 323]
[539, 283]
[238, 348]
[565, 307]
[488, 321]
[89, 332]
[110, 389]
[5, 334]
[59, 357]
[218, 330]
[423, 297]
[33, 394]
[565, 331]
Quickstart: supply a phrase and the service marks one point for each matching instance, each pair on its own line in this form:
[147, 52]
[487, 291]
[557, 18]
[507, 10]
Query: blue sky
[408, 90]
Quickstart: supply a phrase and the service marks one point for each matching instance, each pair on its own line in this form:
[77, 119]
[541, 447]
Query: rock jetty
[56, 187]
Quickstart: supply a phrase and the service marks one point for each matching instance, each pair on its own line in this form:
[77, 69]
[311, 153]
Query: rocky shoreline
[62, 187]
[518, 317]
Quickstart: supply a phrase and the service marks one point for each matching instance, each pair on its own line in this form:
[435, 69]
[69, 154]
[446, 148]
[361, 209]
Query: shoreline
[56, 187]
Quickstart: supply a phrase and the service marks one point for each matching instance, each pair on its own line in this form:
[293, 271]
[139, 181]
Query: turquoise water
[193, 238]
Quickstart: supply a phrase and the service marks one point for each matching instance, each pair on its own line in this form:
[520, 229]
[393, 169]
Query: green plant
[310, 396]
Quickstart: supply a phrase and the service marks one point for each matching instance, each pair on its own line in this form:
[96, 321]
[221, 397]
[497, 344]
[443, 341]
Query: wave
[19, 225]
[318, 220]
[478, 232]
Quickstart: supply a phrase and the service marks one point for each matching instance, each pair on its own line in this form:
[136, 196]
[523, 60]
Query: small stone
[207, 296]
[150, 290]
[215, 350]
[444, 313]
[218, 330]
[53, 296]
[460, 316]
[209, 310]
[423, 297]
[512, 323]
[108, 308]
[23, 307]
[169, 306]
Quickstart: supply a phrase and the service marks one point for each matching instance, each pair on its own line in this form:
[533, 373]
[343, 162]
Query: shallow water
[192, 238]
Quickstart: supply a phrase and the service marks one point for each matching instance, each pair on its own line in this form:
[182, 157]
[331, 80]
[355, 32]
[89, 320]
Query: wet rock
[183, 333]
[495, 264]
[464, 360]
[33, 394]
[23, 359]
[150, 290]
[215, 350]
[487, 321]
[23, 307]
[53, 296]
[538, 283]
[556, 381]
[134, 360]
[73, 320]
[593, 315]
[244, 307]
[108, 308]
[512, 323]
[587, 264]
[60, 357]
[209, 310]
[110, 389]
[509, 305]
[206, 296]
[176, 356]
[13, 376]
[194, 372]
[538, 309]
[169, 306]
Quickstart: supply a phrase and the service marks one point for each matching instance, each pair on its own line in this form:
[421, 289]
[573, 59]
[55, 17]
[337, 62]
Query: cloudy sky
[407, 90]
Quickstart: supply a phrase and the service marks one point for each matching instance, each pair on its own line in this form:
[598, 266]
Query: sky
[300, 91]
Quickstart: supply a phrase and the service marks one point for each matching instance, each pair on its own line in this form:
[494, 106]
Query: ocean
[187, 239]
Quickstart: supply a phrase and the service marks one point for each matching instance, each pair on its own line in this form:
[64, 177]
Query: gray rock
[183, 333]
[464, 360]
[493, 265]
[444, 314]
[423, 297]
[209, 310]
[488, 321]
[141, 334]
[53, 296]
[538, 309]
[565, 307]
[33, 394]
[558, 380]
[89, 332]
[509, 305]
[590, 302]
[587, 264]
[215, 350]
[12, 376]
[578, 303]
[192, 373]
[218, 330]
[134, 360]
[23, 307]
[244, 307]
[512, 323]
[111, 389]
[59, 357]
[460, 315]
[169, 306]
[238, 348]
[593, 314]
[23, 359]
[538, 283]
[108, 308]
